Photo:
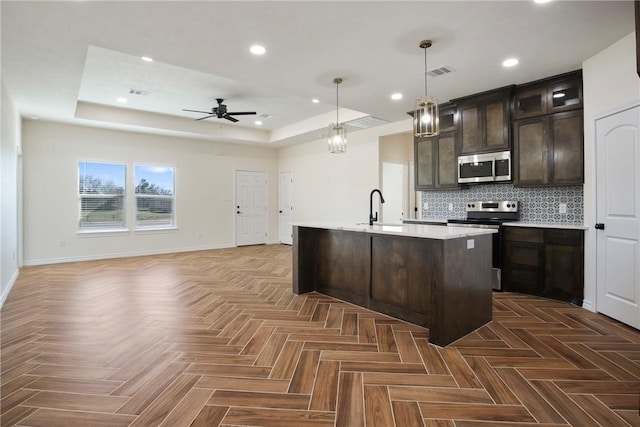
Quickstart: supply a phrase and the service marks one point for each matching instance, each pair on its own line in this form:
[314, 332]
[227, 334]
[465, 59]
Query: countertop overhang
[440, 232]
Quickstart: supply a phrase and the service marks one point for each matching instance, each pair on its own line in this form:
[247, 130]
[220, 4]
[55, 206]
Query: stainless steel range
[490, 214]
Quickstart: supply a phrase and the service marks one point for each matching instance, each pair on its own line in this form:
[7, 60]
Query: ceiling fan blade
[197, 111]
[206, 117]
[243, 113]
[228, 117]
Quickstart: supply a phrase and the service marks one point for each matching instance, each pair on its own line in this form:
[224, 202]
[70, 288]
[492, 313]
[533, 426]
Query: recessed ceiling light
[256, 49]
[315, 101]
[258, 123]
[541, 1]
[396, 96]
[146, 59]
[511, 62]
[558, 95]
[122, 100]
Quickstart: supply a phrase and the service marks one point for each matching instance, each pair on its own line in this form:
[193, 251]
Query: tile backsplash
[537, 205]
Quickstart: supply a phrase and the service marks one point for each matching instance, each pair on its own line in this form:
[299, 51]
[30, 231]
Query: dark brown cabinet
[549, 150]
[548, 133]
[436, 157]
[484, 122]
[544, 261]
[548, 96]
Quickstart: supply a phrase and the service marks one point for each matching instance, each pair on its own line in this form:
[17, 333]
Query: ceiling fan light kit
[221, 112]
[425, 114]
[337, 131]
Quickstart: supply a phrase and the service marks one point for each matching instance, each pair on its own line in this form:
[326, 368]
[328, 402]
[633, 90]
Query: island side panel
[343, 263]
[403, 271]
[304, 260]
[463, 301]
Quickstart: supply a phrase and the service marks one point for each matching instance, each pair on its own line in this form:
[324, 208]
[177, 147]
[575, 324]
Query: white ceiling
[70, 61]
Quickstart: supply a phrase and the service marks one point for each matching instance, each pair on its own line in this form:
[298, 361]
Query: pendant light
[425, 114]
[337, 131]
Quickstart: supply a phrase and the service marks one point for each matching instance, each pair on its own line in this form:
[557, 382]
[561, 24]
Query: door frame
[235, 203]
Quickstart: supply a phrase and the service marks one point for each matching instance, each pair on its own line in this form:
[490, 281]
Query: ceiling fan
[221, 112]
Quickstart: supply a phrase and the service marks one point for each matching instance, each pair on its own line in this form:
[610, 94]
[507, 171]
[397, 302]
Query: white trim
[101, 232]
[10, 284]
[126, 254]
[588, 305]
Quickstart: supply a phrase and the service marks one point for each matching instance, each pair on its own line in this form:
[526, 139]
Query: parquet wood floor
[217, 338]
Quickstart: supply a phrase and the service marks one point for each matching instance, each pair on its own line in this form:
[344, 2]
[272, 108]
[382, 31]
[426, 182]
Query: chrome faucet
[371, 217]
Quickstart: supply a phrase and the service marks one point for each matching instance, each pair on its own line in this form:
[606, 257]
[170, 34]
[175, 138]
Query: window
[154, 197]
[101, 189]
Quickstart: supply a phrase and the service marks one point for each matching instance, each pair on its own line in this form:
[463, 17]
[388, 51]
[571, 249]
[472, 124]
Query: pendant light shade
[425, 114]
[337, 131]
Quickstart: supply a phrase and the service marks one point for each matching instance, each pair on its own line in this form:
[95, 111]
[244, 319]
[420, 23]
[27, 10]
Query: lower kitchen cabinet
[544, 261]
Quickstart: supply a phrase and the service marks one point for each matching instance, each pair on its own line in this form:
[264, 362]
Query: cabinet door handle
[599, 226]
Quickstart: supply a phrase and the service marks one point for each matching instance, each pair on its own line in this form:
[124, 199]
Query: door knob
[599, 226]
[280, 211]
[237, 212]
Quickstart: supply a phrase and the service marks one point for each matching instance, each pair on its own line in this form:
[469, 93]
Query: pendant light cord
[425, 73]
[337, 121]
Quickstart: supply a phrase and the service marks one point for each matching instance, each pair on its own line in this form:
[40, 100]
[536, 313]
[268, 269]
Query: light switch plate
[425, 206]
[471, 243]
[450, 206]
[562, 208]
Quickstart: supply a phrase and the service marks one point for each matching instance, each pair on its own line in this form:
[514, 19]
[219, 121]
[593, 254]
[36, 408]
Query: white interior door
[618, 210]
[251, 208]
[394, 190]
[285, 207]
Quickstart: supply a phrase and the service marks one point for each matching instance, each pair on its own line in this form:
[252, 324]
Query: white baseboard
[10, 284]
[588, 305]
[124, 254]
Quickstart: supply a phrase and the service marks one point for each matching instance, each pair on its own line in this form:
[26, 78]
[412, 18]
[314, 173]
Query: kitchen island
[434, 276]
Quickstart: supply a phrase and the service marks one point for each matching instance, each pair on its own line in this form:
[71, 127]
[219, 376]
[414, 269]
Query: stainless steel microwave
[485, 167]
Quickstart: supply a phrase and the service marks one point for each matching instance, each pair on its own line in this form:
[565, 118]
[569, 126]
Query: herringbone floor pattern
[217, 338]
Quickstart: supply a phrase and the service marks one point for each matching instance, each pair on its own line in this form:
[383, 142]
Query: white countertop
[561, 225]
[439, 232]
[424, 220]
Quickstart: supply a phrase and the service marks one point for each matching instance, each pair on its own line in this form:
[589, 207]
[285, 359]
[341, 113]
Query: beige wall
[328, 187]
[9, 218]
[204, 187]
[610, 84]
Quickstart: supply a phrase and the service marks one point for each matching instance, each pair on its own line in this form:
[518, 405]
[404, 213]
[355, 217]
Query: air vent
[367, 122]
[436, 72]
[139, 92]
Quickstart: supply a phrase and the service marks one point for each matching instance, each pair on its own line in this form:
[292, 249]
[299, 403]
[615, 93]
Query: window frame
[104, 228]
[172, 197]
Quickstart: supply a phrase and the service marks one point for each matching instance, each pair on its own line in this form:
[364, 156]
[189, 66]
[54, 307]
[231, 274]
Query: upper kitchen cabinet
[549, 150]
[548, 133]
[548, 96]
[484, 121]
[436, 157]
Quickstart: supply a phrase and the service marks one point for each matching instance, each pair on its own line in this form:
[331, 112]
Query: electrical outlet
[425, 206]
[450, 206]
[61, 243]
[562, 208]
[471, 244]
